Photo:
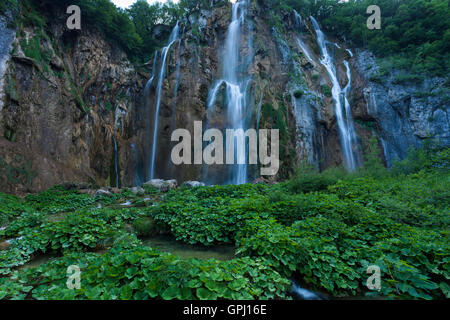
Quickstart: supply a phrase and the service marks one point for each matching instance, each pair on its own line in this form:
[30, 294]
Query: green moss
[145, 227]
[18, 171]
[78, 98]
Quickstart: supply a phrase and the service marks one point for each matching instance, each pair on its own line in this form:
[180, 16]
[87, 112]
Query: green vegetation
[323, 229]
[17, 170]
[276, 119]
[145, 227]
[12, 5]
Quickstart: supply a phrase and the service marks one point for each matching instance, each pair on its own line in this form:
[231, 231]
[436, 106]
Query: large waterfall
[6, 38]
[236, 86]
[302, 45]
[161, 76]
[342, 106]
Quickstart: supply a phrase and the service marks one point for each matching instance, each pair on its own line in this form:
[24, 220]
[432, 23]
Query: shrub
[326, 90]
[142, 273]
[57, 200]
[145, 227]
[270, 240]
[372, 162]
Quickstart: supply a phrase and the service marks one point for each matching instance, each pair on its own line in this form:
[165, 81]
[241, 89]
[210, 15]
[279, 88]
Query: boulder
[138, 191]
[4, 245]
[145, 227]
[102, 192]
[75, 185]
[115, 190]
[259, 181]
[173, 184]
[85, 191]
[162, 185]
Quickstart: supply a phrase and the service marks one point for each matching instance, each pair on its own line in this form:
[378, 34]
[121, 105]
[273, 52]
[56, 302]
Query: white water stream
[162, 72]
[342, 106]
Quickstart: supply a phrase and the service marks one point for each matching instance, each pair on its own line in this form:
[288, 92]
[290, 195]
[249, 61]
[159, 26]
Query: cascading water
[236, 88]
[161, 76]
[305, 50]
[150, 81]
[343, 111]
[170, 165]
[177, 81]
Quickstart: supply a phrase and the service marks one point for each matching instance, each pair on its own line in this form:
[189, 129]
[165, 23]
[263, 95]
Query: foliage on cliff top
[415, 34]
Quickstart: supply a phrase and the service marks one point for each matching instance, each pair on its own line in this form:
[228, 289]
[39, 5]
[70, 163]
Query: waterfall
[175, 92]
[385, 152]
[161, 76]
[137, 179]
[150, 81]
[236, 88]
[116, 158]
[177, 81]
[343, 111]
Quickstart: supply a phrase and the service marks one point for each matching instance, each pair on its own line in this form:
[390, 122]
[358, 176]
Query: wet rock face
[6, 38]
[201, 65]
[162, 185]
[60, 114]
[403, 114]
[193, 184]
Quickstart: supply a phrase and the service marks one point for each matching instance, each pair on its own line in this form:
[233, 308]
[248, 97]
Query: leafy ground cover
[323, 230]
